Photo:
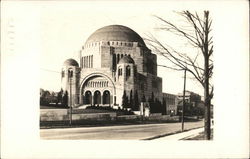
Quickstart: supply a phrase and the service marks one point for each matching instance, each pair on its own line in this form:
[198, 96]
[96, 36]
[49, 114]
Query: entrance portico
[97, 90]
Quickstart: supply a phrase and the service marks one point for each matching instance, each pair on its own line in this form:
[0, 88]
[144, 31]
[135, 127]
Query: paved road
[129, 132]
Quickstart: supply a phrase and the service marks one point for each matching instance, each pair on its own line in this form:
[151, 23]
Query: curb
[172, 133]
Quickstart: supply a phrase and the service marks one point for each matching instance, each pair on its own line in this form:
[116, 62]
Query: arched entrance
[88, 97]
[87, 84]
[97, 97]
[106, 97]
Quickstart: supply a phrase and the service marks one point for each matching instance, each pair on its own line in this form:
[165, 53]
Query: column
[91, 61]
[92, 101]
[80, 99]
[101, 97]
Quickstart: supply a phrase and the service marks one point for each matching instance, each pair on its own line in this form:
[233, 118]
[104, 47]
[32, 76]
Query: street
[127, 132]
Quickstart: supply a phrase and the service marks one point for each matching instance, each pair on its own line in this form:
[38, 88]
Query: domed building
[114, 61]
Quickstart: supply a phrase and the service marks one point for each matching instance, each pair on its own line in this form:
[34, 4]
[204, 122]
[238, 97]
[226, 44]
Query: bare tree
[197, 33]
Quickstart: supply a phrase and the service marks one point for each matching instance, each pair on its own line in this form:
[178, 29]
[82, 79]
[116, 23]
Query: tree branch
[197, 35]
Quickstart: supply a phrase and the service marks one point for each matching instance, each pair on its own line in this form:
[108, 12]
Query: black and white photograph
[126, 79]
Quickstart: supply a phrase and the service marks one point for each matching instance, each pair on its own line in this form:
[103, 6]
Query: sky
[64, 31]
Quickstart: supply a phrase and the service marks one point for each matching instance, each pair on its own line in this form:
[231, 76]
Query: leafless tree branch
[198, 36]
[198, 39]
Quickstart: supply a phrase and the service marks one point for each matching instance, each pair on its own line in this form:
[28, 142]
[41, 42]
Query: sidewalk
[182, 135]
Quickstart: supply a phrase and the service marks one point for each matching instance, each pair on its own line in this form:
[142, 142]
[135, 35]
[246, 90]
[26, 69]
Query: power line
[50, 70]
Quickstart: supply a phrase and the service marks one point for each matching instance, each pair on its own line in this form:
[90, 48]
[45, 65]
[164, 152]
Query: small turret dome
[71, 62]
[126, 59]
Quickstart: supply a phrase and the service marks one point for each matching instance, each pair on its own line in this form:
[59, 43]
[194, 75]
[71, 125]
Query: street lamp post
[70, 95]
[183, 104]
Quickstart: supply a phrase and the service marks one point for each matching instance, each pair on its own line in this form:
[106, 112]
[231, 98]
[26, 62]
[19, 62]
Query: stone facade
[114, 59]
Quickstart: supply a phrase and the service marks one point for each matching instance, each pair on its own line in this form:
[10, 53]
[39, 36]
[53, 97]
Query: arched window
[118, 58]
[119, 71]
[114, 62]
[90, 61]
[128, 71]
[84, 61]
[70, 73]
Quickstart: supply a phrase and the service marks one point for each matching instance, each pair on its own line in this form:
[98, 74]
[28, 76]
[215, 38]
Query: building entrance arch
[101, 87]
[106, 97]
[97, 97]
[88, 97]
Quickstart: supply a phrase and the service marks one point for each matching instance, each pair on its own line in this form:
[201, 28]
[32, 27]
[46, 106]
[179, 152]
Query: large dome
[115, 33]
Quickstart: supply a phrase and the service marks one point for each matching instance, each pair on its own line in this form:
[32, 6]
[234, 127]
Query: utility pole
[183, 104]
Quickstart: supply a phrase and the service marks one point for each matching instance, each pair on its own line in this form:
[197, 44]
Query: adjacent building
[170, 102]
[190, 97]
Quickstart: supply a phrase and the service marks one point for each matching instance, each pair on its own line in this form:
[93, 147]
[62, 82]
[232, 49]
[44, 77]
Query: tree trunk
[207, 103]
[206, 82]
